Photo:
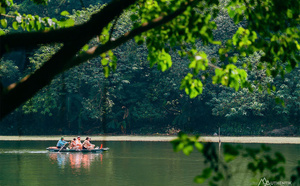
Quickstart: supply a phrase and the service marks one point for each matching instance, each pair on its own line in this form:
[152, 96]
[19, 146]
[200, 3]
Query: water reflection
[75, 160]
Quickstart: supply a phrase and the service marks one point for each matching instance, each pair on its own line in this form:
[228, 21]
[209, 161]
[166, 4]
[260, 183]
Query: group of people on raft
[76, 144]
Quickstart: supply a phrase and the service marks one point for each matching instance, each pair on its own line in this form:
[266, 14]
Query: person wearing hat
[61, 143]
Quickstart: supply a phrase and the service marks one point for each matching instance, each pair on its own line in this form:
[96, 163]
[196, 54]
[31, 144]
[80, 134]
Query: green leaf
[231, 12]
[66, 23]
[85, 47]
[69, 22]
[15, 25]
[199, 179]
[2, 10]
[139, 40]
[104, 61]
[229, 157]
[187, 150]
[64, 13]
[106, 71]
[4, 23]
[199, 146]
[234, 59]
[179, 147]
[289, 13]
[2, 32]
[216, 43]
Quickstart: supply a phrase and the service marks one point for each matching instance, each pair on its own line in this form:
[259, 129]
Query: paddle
[62, 147]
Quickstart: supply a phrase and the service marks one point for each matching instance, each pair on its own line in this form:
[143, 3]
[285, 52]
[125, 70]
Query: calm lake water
[125, 164]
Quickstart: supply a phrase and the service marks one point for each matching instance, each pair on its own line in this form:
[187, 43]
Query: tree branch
[97, 50]
[15, 41]
[113, 27]
[5, 15]
[15, 94]
[213, 66]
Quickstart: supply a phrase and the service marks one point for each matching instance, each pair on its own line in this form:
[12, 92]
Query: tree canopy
[270, 28]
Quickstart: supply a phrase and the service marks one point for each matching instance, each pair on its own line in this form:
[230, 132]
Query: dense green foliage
[138, 99]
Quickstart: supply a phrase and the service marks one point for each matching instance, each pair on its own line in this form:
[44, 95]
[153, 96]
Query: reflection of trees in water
[75, 160]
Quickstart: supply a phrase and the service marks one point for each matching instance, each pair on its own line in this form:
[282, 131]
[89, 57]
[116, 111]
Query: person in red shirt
[73, 144]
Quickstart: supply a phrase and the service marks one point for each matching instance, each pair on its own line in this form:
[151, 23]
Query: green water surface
[125, 164]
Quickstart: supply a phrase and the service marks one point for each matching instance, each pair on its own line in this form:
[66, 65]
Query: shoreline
[215, 139]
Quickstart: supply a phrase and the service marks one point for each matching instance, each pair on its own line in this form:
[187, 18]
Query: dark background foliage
[137, 99]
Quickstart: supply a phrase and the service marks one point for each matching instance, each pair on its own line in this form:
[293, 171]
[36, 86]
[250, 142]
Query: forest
[137, 98]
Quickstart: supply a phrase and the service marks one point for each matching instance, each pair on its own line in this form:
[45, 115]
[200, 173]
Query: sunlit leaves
[161, 58]
[231, 76]
[35, 23]
[2, 32]
[104, 36]
[236, 10]
[64, 13]
[64, 22]
[4, 4]
[109, 62]
[85, 48]
[2, 9]
[15, 25]
[186, 143]
[192, 86]
[243, 37]
[199, 62]
[185, 28]
[139, 40]
[266, 30]
[3, 23]
[191, 25]
[29, 22]
[273, 21]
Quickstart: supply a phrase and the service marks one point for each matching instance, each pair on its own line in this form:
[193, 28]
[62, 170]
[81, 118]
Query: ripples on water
[23, 151]
[125, 164]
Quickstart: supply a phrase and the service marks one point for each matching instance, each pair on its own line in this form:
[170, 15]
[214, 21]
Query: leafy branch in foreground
[219, 172]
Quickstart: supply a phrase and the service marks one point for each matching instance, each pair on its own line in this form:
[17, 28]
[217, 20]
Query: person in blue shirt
[61, 143]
